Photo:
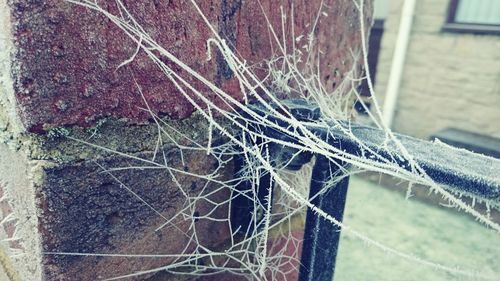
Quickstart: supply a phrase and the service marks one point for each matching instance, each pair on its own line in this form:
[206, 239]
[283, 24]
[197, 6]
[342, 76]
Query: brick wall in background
[449, 79]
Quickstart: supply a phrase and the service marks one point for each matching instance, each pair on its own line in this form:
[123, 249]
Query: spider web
[292, 71]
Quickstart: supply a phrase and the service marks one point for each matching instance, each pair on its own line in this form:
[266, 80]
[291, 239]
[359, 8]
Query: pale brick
[449, 79]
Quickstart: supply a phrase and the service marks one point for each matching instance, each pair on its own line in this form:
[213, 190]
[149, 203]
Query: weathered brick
[23, 255]
[65, 57]
[449, 79]
[83, 210]
[79, 208]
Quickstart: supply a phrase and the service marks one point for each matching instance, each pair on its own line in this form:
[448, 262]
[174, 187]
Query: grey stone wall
[449, 79]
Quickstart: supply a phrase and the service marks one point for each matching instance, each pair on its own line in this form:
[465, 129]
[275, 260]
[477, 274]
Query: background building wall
[449, 79]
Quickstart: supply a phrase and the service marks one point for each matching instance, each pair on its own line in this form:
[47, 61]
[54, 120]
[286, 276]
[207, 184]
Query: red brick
[83, 210]
[65, 56]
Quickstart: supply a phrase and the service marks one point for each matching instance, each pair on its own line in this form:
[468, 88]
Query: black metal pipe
[459, 170]
[321, 237]
[248, 200]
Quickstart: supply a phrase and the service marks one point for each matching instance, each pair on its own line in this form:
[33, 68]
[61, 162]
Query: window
[476, 16]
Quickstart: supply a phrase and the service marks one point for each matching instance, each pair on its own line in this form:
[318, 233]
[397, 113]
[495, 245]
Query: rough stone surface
[65, 57]
[449, 79]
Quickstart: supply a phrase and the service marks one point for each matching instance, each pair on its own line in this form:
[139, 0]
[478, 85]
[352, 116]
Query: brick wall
[59, 78]
[449, 79]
